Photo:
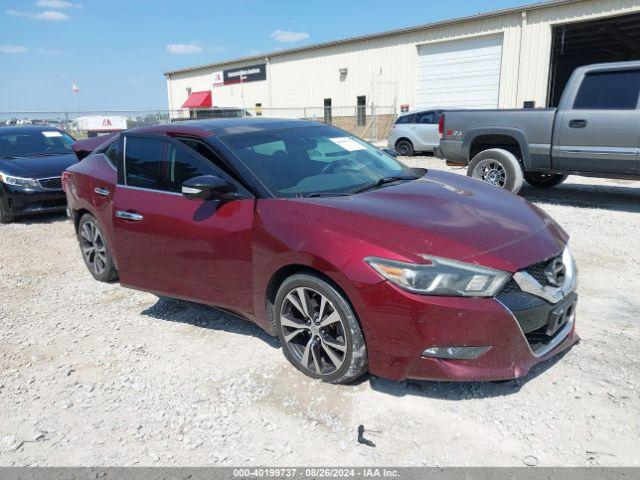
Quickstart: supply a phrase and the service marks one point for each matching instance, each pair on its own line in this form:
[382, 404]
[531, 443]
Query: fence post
[374, 128]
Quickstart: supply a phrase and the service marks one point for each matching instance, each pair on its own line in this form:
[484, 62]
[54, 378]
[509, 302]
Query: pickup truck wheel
[544, 180]
[404, 148]
[497, 167]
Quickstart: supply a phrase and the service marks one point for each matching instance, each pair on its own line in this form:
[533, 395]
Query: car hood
[37, 167]
[445, 215]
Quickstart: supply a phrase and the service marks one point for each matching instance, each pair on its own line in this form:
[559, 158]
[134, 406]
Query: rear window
[405, 119]
[609, 91]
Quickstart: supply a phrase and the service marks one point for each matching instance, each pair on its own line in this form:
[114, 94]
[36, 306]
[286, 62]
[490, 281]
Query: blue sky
[117, 50]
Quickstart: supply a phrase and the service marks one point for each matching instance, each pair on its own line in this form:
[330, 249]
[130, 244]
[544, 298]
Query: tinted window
[426, 117]
[114, 153]
[609, 90]
[158, 165]
[405, 119]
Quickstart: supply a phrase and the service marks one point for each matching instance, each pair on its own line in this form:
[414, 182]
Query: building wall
[384, 69]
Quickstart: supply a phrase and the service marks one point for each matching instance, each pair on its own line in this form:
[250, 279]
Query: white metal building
[504, 59]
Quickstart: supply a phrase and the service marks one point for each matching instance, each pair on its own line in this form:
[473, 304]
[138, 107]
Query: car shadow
[459, 391]
[622, 198]
[202, 316]
[42, 219]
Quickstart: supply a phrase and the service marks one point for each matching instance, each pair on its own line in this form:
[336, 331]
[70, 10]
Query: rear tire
[544, 180]
[404, 148]
[318, 330]
[95, 250]
[499, 168]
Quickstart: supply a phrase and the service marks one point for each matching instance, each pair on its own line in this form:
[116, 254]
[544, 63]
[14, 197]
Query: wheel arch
[511, 139]
[403, 138]
[286, 271]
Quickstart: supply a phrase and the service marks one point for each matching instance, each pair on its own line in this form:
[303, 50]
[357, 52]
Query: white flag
[75, 88]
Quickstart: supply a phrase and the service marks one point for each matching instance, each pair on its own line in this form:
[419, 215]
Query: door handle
[102, 191]
[135, 217]
[577, 123]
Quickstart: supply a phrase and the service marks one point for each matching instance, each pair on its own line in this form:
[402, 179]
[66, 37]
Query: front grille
[536, 271]
[53, 183]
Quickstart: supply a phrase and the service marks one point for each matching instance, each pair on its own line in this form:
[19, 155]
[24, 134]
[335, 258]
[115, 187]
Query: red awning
[198, 100]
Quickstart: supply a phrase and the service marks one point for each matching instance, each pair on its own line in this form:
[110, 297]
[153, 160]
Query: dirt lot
[94, 374]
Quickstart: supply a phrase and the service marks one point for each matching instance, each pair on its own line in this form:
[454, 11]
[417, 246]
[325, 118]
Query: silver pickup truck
[595, 131]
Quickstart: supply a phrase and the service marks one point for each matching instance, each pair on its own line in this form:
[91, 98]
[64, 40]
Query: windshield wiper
[381, 182]
[325, 194]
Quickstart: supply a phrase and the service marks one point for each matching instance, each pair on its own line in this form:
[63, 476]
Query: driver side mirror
[208, 187]
[390, 151]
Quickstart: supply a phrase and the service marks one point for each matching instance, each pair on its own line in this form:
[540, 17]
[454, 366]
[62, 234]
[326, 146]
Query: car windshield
[315, 161]
[35, 143]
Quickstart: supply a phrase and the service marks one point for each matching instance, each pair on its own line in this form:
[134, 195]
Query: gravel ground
[94, 374]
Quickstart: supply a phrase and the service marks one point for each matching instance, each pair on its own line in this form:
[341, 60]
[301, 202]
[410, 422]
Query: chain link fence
[368, 122]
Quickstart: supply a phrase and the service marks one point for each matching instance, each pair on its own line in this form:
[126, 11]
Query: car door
[168, 244]
[599, 132]
[426, 129]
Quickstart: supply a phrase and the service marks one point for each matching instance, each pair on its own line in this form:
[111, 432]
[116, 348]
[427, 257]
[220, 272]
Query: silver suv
[415, 132]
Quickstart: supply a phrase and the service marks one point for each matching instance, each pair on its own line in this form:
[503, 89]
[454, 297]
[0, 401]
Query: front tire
[497, 167]
[404, 148]
[544, 180]
[318, 330]
[95, 250]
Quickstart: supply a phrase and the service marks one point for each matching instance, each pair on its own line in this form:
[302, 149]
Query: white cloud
[48, 15]
[287, 36]
[12, 49]
[51, 16]
[59, 4]
[183, 48]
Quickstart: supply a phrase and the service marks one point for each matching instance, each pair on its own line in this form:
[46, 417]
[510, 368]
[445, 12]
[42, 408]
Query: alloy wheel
[490, 171]
[313, 330]
[93, 248]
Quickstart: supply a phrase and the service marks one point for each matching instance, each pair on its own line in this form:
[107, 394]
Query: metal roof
[389, 33]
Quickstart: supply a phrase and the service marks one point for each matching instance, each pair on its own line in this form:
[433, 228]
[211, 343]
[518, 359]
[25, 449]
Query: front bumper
[18, 201]
[399, 326]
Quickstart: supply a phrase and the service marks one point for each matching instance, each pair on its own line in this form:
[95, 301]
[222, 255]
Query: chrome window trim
[129, 187]
[124, 160]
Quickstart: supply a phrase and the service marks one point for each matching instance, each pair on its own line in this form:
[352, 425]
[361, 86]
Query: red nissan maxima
[356, 262]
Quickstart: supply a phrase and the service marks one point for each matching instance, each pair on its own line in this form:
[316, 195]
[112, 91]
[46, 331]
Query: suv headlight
[19, 181]
[441, 276]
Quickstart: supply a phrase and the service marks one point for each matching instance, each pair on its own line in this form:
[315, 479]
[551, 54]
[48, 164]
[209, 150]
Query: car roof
[225, 126]
[28, 129]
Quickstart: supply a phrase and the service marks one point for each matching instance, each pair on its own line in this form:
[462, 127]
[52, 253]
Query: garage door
[460, 73]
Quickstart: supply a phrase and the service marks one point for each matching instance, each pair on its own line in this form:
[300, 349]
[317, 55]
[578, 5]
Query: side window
[158, 165]
[426, 117]
[609, 91]
[144, 165]
[114, 153]
[405, 119]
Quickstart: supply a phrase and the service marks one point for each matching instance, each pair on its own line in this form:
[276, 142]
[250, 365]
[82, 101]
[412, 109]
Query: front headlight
[571, 272]
[441, 276]
[19, 181]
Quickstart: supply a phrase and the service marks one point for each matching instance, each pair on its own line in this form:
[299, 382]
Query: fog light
[459, 353]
